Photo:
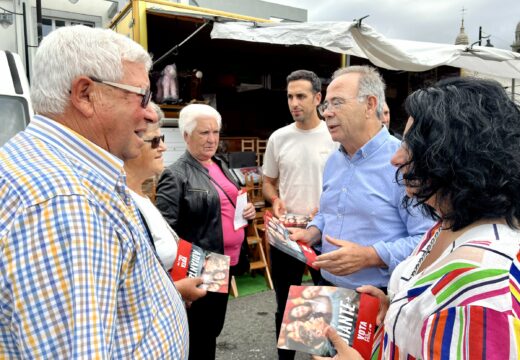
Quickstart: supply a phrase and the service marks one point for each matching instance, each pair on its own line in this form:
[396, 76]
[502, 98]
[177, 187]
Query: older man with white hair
[364, 228]
[79, 278]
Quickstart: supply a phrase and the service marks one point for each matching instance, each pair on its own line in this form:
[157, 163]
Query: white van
[15, 102]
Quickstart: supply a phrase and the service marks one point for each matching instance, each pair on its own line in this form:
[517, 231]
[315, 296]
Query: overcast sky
[423, 20]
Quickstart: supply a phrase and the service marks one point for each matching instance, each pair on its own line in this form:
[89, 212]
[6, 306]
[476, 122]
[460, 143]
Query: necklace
[426, 251]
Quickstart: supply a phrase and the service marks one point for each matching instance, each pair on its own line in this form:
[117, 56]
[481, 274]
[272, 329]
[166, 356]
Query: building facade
[22, 37]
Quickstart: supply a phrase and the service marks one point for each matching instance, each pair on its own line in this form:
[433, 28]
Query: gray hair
[152, 126]
[72, 51]
[189, 114]
[308, 76]
[371, 83]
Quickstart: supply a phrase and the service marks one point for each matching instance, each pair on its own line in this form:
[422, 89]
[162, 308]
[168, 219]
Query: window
[50, 24]
[14, 116]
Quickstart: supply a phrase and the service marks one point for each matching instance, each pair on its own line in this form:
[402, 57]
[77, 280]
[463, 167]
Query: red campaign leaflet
[254, 172]
[295, 220]
[193, 261]
[310, 309]
[278, 236]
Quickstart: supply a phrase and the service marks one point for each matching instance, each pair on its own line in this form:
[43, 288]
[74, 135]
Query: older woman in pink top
[197, 196]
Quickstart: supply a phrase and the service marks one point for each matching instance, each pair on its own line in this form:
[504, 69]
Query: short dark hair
[464, 147]
[306, 75]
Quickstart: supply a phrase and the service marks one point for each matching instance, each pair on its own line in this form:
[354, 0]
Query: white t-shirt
[163, 236]
[297, 158]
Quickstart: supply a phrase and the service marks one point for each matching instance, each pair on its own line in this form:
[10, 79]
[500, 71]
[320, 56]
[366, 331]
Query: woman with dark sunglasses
[148, 164]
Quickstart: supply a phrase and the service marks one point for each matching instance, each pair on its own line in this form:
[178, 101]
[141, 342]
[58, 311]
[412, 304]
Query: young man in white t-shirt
[293, 172]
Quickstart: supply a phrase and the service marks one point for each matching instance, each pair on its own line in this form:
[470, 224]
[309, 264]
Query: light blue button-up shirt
[362, 202]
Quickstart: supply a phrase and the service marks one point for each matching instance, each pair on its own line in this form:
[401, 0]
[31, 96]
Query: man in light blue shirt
[365, 230]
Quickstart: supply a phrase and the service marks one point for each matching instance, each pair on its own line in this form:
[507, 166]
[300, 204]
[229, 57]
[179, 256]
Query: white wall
[11, 38]
[8, 35]
[174, 143]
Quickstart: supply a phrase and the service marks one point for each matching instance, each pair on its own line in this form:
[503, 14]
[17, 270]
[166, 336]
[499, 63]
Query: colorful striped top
[78, 277]
[463, 306]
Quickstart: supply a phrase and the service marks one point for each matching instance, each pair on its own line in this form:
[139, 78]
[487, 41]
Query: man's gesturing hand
[348, 258]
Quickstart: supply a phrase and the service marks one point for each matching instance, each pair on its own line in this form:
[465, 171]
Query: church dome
[462, 38]
[516, 45]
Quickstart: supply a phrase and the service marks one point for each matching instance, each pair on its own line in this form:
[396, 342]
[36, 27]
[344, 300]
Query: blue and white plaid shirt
[78, 278]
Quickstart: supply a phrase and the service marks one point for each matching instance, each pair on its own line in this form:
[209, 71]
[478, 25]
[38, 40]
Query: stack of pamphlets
[254, 172]
[295, 220]
[278, 236]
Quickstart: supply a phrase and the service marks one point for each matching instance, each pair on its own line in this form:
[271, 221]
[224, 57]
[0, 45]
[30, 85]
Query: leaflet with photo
[278, 236]
[295, 220]
[310, 309]
[254, 172]
[193, 261]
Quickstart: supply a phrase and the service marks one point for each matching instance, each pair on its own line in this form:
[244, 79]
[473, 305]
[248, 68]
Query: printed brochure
[278, 236]
[295, 220]
[310, 309]
[254, 172]
[193, 261]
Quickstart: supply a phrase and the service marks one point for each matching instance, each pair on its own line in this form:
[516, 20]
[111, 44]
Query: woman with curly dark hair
[462, 150]
[458, 294]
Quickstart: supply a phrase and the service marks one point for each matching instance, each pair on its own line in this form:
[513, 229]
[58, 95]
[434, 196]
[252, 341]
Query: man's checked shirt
[78, 278]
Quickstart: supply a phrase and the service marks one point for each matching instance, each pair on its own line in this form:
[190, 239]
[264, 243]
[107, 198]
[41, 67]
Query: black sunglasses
[155, 141]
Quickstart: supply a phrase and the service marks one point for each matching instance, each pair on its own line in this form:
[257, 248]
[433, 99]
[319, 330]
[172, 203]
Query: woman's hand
[249, 212]
[384, 301]
[345, 352]
[188, 289]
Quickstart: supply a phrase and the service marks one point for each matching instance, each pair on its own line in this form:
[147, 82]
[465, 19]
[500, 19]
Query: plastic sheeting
[363, 41]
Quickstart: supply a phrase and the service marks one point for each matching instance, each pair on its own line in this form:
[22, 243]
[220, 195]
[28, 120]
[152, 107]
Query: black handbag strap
[216, 183]
[224, 191]
[150, 237]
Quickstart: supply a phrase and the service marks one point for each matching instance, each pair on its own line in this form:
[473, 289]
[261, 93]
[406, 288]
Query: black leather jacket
[190, 203]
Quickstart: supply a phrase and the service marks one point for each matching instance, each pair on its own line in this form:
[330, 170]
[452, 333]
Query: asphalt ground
[249, 330]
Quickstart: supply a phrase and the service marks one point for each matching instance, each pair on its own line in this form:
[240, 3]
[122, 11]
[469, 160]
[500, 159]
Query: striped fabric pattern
[471, 332]
[78, 278]
[464, 306]
[377, 351]
[514, 285]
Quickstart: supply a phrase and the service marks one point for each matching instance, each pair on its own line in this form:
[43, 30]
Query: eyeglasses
[334, 104]
[145, 93]
[155, 141]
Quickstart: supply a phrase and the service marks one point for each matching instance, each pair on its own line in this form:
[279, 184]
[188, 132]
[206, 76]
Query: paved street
[249, 329]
